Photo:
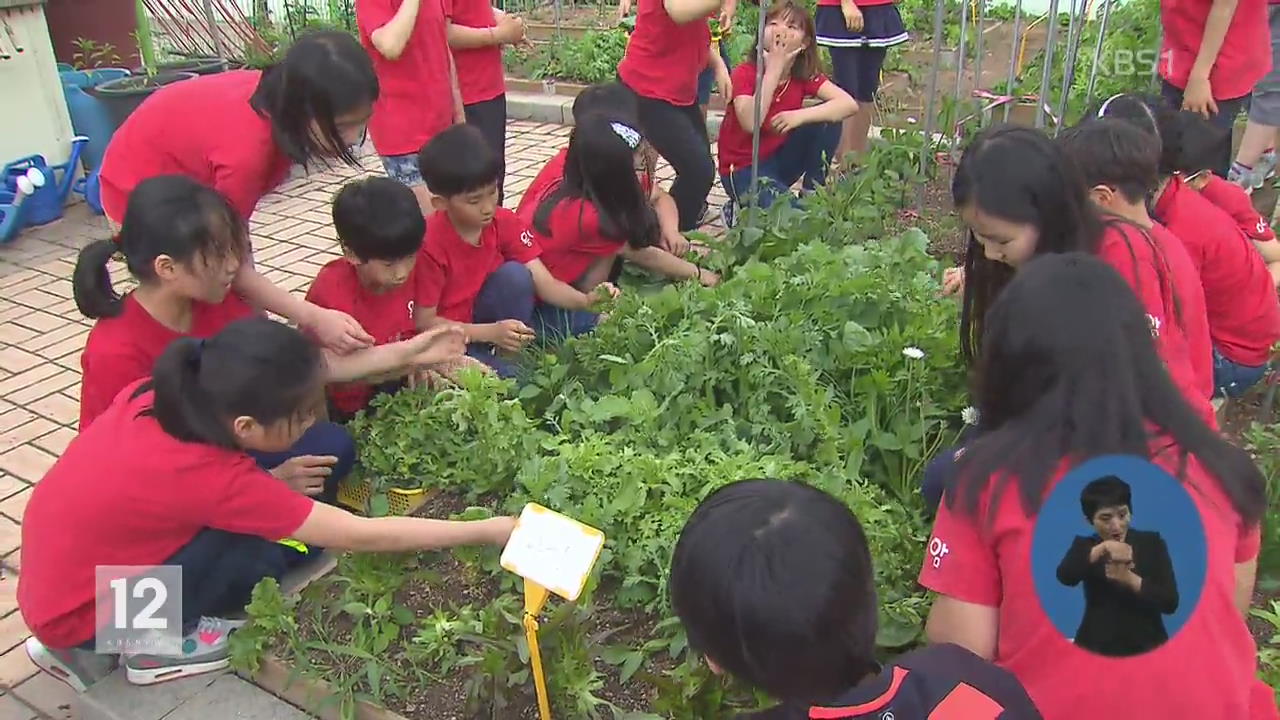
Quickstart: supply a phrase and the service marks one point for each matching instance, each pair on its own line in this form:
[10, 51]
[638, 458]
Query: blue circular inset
[1162, 518]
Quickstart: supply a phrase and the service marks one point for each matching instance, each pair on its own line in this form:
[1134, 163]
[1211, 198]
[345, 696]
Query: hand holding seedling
[511, 335]
[602, 295]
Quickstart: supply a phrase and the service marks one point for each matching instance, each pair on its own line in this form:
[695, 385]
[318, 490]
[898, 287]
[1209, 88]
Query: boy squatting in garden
[480, 264]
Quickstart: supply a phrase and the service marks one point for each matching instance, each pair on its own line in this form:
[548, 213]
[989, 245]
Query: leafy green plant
[1263, 442]
[591, 58]
[1269, 648]
[271, 620]
[92, 54]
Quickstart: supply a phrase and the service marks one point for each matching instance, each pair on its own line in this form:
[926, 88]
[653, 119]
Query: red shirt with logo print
[451, 270]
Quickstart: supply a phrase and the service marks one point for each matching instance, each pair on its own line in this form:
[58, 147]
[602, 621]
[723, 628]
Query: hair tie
[1102, 111]
[627, 133]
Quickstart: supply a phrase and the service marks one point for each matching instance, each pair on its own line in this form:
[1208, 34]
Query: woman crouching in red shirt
[1069, 372]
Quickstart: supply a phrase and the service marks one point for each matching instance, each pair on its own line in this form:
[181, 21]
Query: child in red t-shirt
[796, 142]
[1069, 373]
[600, 212]
[477, 33]
[1236, 203]
[1240, 298]
[380, 228]
[408, 42]
[165, 477]
[480, 264]
[774, 584]
[858, 34]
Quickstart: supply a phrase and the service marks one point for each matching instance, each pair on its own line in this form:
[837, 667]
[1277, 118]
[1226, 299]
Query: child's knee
[515, 276]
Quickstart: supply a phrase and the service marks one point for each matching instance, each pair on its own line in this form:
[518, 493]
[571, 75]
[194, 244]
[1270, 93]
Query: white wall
[34, 119]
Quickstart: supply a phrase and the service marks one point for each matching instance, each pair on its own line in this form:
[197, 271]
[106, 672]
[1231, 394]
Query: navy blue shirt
[938, 682]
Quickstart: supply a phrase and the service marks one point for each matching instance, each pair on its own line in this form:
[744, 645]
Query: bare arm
[661, 261]
[1215, 32]
[968, 625]
[686, 11]
[391, 39]
[557, 293]
[328, 526]
[744, 106]
[334, 329]
[459, 114]
[836, 105]
[1246, 574]
[426, 319]
[462, 37]
[439, 344]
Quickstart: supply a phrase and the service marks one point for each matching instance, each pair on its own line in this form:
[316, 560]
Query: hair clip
[628, 134]
[1102, 111]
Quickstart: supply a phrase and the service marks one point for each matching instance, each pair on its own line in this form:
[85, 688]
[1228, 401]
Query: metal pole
[212, 22]
[1013, 56]
[1097, 53]
[978, 46]
[931, 102]
[1069, 66]
[1051, 37]
[960, 57]
[752, 200]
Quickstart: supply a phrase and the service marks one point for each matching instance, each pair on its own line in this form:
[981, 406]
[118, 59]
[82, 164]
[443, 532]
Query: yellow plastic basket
[354, 493]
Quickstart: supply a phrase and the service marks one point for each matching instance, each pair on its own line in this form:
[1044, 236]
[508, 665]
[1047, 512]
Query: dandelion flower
[969, 415]
[914, 353]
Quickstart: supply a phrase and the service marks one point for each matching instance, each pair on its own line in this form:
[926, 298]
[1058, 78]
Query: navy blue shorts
[858, 57]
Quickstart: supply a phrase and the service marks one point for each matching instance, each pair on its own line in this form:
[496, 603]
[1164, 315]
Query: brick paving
[42, 334]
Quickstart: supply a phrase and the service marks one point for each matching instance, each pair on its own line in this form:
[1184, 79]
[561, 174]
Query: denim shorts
[403, 168]
[1265, 108]
[1232, 379]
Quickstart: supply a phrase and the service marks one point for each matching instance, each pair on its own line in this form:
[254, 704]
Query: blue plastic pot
[89, 117]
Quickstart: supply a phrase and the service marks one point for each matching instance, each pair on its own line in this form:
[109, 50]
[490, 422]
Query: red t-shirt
[480, 73]
[663, 59]
[575, 241]
[735, 141]
[1206, 670]
[387, 316]
[1235, 202]
[125, 492]
[1240, 298]
[220, 141]
[416, 99]
[451, 270]
[1245, 56]
[1181, 328]
[124, 349]
[546, 182]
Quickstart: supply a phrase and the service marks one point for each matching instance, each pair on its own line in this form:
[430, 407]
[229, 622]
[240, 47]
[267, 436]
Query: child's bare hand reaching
[306, 473]
[438, 345]
[952, 281]
[511, 335]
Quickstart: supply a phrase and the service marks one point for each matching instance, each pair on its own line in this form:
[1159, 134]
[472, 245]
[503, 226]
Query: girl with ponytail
[167, 476]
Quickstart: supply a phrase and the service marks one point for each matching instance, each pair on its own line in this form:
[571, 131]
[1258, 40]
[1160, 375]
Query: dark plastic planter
[199, 66]
[121, 97]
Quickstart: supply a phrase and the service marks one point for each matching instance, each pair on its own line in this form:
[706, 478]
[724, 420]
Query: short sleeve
[577, 228]
[446, 7]
[373, 14]
[743, 78]
[815, 83]
[255, 502]
[328, 290]
[105, 376]
[428, 280]
[958, 563]
[515, 239]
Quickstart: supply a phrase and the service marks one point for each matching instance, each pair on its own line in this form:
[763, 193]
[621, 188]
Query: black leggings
[679, 134]
[491, 117]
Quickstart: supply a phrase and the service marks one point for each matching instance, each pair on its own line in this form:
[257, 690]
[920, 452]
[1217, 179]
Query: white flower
[1154, 322]
[969, 415]
[914, 353]
[912, 121]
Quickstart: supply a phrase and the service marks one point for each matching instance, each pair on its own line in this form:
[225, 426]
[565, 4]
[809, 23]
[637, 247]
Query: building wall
[102, 21]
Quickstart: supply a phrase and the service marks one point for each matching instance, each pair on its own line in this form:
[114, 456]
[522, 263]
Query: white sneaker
[204, 650]
[78, 668]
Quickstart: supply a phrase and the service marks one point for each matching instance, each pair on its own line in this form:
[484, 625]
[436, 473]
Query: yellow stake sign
[554, 554]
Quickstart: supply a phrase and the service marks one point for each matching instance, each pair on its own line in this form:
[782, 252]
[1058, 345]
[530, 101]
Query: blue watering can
[50, 184]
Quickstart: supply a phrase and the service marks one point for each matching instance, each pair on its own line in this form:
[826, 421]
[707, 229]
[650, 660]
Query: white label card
[552, 550]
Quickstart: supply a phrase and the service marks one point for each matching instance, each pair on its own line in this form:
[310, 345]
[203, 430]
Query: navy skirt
[881, 27]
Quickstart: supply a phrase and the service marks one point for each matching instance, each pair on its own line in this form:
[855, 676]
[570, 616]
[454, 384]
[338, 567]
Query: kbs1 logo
[937, 550]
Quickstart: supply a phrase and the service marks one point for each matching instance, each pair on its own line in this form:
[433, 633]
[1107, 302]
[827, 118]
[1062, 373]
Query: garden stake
[535, 597]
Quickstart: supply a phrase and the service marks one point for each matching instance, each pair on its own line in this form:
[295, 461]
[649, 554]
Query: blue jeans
[554, 324]
[322, 438]
[1232, 379]
[507, 294]
[220, 569]
[805, 153]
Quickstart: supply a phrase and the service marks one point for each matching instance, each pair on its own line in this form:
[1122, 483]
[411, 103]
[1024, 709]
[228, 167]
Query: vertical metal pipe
[1013, 57]
[931, 102]
[1097, 52]
[1047, 73]
[980, 24]
[752, 199]
[214, 32]
[1069, 64]
[961, 51]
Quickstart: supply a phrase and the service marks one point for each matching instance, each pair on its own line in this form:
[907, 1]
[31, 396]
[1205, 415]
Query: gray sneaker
[78, 668]
[204, 650]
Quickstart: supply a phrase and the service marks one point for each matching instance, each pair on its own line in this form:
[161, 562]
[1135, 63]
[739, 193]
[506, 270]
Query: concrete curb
[558, 109]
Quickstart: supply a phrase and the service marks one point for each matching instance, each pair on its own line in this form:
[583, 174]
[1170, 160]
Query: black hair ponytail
[170, 215]
[254, 368]
[91, 281]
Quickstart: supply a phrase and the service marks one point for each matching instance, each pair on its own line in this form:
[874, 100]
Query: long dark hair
[1188, 143]
[1069, 371]
[600, 169]
[809, 62]
[324, 74]
[255, 367]
[167, 215]
[1019, 175]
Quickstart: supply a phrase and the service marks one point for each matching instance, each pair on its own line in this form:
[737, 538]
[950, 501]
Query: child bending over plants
[774, 584]
[599, 212]
[380, 228]
[164, 477]
[481, 265]
[796, 142]
[616, 102]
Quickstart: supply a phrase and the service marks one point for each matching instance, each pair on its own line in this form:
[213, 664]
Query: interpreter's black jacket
[1118, 622]
[938, 682]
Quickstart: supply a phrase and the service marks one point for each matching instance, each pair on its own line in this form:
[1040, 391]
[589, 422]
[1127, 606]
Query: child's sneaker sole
[153, 676]
[47, 661]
